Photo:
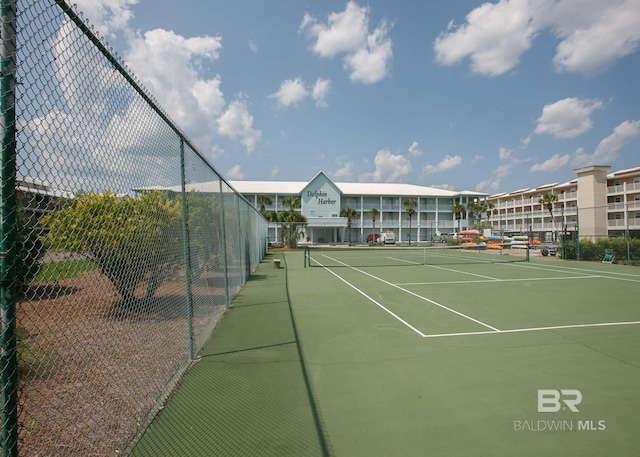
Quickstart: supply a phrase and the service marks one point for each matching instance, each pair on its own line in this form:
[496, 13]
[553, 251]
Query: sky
[461, 95]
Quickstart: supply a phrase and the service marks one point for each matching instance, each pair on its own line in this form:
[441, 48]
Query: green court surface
[531, 359]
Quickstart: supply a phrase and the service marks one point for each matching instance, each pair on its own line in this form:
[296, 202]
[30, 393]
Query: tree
[472, 209]
[205, 231]
[292, 224]
[410, 204]
[264, 201]
[458, 210]
[350, 214]
[292, 202]
[489, 207]
[547, 201]
[373, 212]
[132, 240]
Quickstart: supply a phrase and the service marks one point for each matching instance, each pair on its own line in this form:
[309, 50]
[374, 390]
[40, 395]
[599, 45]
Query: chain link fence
[121, 246]
[593, 233]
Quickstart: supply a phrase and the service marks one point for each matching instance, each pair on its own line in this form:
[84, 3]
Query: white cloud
[344, 32]
[253, 47]
[275, 171]
[494, 37]
[592, 34]
[445, 164]
[321, 89]
[492, 184]
[567, 118]
[365, 55]
[107, 16]
[609, 148]
[505, 153]
[294, 91]
[370, 64]
[346, 169]
[291, 92]
[235, 172]
[169, 66]
[595, 34]
[580, 158]
[389, 167]
[414, 151]
[236, 123]
[552, 164]
[443, 186]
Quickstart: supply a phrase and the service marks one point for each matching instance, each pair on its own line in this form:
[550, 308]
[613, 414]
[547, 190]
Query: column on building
[592, 201]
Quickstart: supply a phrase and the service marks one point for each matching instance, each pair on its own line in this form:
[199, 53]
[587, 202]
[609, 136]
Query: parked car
[372, 237]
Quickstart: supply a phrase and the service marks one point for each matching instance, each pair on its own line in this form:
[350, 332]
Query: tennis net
[365, 256]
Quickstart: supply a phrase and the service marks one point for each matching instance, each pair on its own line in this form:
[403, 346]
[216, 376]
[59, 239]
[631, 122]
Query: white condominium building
[596, 204]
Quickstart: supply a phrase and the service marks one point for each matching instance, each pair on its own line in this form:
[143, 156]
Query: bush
[595, 251]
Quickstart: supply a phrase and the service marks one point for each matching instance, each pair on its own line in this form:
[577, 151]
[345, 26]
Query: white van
[387, 238]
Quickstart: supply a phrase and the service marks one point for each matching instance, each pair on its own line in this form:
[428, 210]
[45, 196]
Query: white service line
[475, 281]
[585, 271]
[428, 300]
[534, 329]
[376, 303]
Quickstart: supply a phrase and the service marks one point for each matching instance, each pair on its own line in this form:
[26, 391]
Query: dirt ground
[91, 371]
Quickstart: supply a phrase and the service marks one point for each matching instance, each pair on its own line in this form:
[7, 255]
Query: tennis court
[455, 358]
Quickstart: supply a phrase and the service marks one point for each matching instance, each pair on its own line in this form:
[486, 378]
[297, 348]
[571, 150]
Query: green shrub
[595, 251]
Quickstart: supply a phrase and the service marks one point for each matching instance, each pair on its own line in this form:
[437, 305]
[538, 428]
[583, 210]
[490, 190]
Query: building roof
[348, 188]
[627, 171]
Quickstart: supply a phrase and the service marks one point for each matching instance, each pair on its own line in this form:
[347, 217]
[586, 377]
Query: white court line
[428, 300]
[533, 329]
[585, 271]
[407, 291]
[446, 269]
[475, 281]
[398, 318]
[493, 330]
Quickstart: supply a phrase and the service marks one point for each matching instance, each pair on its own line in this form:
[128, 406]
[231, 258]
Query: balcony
[622, 188]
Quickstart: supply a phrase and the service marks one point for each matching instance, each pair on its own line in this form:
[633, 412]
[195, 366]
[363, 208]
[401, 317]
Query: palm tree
[488, 207]
[458, 209]
[547, 200]
[350, 214]
[373, 212]
[472, 209]
[292, 224]
[264, 201]
[410, 204]
[292, 202]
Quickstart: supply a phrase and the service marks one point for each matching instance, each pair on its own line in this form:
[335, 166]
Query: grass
[64, 269]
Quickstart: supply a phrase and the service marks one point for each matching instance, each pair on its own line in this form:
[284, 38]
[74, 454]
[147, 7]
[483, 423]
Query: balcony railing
[627, 187]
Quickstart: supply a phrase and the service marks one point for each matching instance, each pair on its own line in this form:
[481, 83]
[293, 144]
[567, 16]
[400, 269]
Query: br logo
[552, 400]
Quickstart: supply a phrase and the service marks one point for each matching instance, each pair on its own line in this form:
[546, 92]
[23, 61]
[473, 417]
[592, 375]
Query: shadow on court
[248, 394]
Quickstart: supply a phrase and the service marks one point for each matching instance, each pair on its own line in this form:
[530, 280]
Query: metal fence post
[186, 251]
[224, 248]
[8, 235]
